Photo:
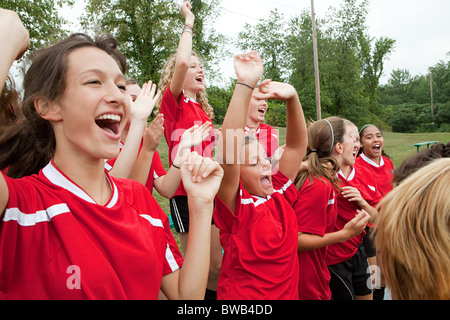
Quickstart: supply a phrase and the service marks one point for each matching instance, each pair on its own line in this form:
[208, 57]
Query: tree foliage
[408, 100]
[268, 38]
[350, 61]
[148, 31]
[40, 18]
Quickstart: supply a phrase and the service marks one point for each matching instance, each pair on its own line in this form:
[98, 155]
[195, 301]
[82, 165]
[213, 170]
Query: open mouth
[199, 79]
[266, 181]
[109, 123]
[377, 148]
[262, 111]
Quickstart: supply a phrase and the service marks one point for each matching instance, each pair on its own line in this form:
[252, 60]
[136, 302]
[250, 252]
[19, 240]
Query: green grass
[399, 146]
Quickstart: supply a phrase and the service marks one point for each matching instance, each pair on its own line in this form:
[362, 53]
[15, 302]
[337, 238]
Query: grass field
[397, 145]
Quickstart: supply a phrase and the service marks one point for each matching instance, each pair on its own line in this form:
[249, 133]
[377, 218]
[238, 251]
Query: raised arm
[201, 179]
[140, 111]
[15, 41]
[296, 131]
[167, 185]
[249, 69]
[184, 51]
[152, 137]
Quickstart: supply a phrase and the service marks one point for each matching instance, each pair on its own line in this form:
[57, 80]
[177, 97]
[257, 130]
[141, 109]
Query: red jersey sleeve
[169, 105]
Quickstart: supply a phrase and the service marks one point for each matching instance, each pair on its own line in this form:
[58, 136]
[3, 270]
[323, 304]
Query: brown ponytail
[322, 137]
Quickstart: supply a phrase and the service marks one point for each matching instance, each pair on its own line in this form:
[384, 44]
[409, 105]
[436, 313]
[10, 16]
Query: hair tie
[332, 134]
[312, 151]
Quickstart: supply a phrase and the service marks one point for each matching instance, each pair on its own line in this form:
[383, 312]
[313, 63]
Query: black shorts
[351, 277]
[179, 210]
[369, 243]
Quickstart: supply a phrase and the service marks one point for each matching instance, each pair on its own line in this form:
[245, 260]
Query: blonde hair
[166, 78]
[413, 235]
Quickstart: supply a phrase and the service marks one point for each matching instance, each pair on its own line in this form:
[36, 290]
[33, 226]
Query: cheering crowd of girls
[256, 221]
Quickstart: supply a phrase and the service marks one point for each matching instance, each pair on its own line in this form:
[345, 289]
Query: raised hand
[152, 134]
[201, 176]
[143, 106]
[185, 9]
[195, 135]
[268, 89]
[249, 67]
[13, 30]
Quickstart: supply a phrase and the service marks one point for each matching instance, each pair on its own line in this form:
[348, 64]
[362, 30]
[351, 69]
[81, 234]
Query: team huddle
[256, 220]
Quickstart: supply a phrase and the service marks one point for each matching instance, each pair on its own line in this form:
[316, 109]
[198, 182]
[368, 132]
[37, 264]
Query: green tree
[301, 60]
[41, 18]
[148, 31]
[268, 38]
[219, 98]
[441, 81]
[372, 65]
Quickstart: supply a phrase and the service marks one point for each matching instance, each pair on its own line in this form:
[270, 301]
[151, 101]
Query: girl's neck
[250, 123]
[346, 170]
[190, 94]
[88, 174]
[377, 160]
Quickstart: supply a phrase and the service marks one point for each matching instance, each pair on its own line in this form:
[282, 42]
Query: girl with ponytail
[316, 209]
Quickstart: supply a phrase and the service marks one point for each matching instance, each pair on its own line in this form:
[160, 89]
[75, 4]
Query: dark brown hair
[419, 160]
[28, 145]
[9, 103]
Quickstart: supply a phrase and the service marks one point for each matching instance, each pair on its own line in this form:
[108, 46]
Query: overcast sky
[420, 27]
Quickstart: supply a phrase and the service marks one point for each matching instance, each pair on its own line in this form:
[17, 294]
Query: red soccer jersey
[316, 211]
[268, 137]
[260, 245]
[362, 180]
[57, 243]
[177, 118]
[383, 172]
[156, 170]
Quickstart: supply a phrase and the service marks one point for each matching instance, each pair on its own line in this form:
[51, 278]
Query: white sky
[420, 27]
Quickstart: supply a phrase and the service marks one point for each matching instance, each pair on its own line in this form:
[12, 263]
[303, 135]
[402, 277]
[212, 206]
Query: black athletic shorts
[369, 243]
[180, 213]
[351, 277]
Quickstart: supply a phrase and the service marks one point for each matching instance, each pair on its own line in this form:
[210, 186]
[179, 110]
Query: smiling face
[350, 145]
[194, 77]
[372, 142]
[255, 170]
[256, 112]
[93, 107]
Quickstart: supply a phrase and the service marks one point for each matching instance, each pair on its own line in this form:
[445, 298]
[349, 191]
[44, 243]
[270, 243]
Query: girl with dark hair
[69, 230]
[373, 157]
[377, 162]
